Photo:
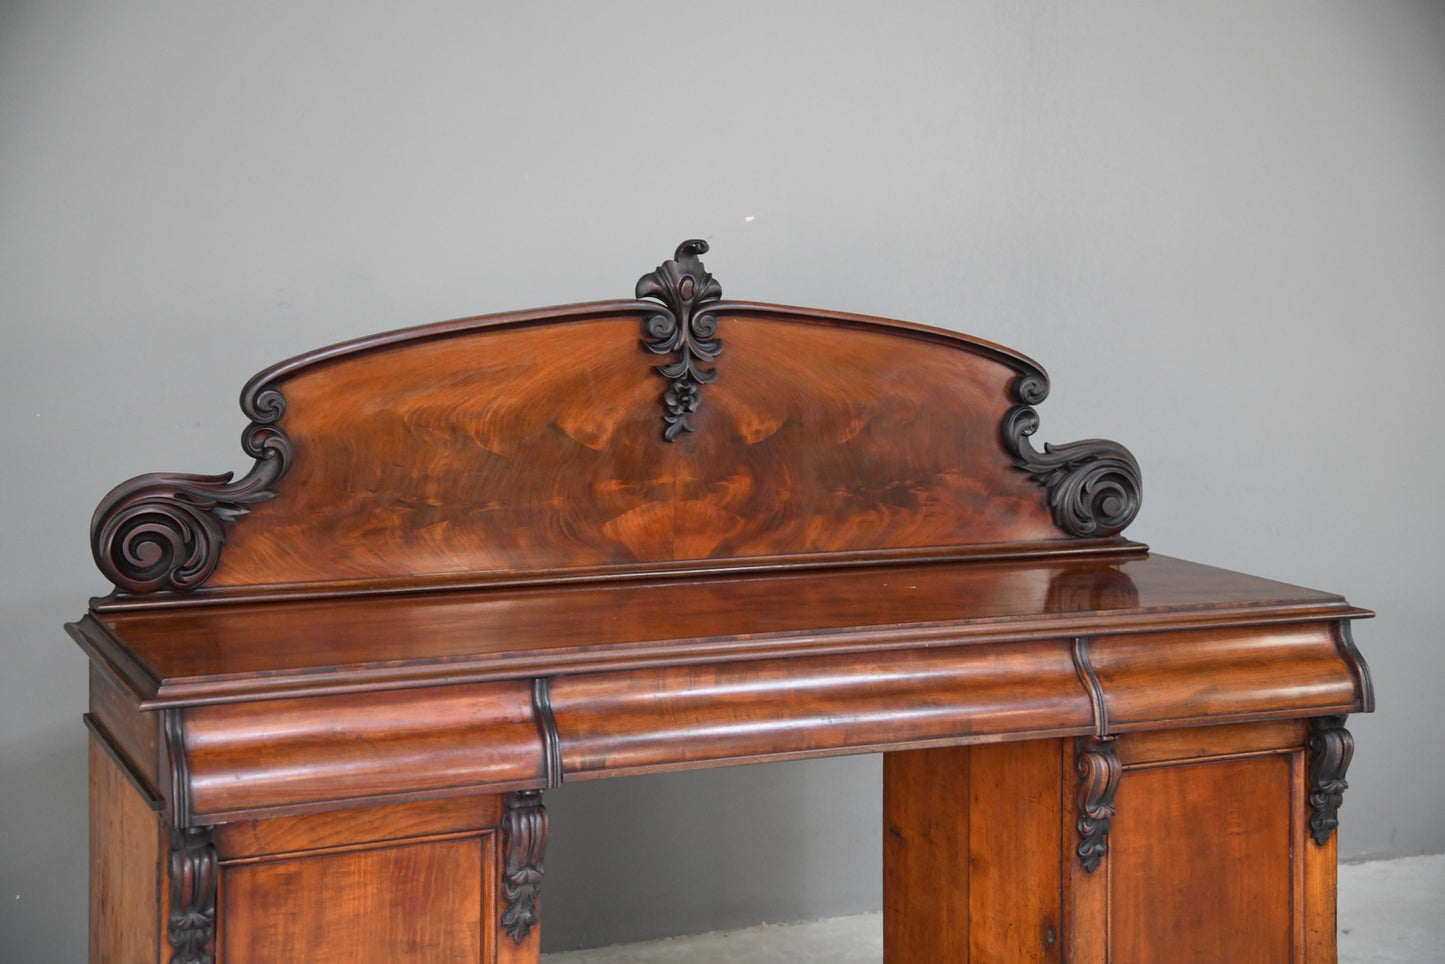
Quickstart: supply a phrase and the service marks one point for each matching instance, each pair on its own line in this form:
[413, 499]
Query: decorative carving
[1094, 486]
[1331, 747]
[193, 895]
[1099, 774]
[163, 532]
[682, 330]
[524, 836]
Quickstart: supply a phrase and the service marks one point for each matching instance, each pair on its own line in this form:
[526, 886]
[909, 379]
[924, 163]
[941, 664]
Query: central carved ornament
[685, 330]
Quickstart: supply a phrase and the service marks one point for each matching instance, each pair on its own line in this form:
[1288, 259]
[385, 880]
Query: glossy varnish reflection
[468, 565]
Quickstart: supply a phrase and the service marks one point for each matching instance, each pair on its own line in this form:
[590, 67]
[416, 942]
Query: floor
[1390, 912]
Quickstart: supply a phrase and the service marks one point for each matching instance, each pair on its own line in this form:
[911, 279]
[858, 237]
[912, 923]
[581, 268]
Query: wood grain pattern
[926, 868]
[973, 838]
[1017, 835]
[515, 447]
[329, 752]
[424, 902]
[652, 719]
[126, 846]
[470, 561]
[1154, 679]
[1200, 864]
[334, 829]
[208, 653]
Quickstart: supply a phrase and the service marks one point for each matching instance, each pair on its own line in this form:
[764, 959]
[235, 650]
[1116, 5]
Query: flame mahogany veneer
[477, 559]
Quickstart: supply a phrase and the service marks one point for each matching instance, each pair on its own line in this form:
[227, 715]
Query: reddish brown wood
[476, 559]
[126, 848]
[341, 829]
[207, 653]
[418, 902]
[1200, 864]
[646, 720]
[284, 756]
[926, 854]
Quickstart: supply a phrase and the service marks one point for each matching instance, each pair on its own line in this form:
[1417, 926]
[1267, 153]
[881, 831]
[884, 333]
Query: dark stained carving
[1093, 486]
[547, 729]
[162, 532]
[192, 924]
[174, 724]
[524, 836]
[1331, 747]
[1099, 773]
[682, 330]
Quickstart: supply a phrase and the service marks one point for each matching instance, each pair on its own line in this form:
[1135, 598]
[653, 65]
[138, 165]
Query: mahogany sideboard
[476, 559]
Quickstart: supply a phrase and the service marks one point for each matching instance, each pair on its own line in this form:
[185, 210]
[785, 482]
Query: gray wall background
[1220, 224]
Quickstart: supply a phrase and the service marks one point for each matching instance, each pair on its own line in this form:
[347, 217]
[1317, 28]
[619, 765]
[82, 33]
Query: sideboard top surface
[254, 650]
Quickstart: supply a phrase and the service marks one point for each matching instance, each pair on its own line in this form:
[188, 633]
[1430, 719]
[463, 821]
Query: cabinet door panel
[420, 902]
[1199, 863]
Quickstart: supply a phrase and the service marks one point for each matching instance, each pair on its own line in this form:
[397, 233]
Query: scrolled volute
[1094, 486]
[164, 532]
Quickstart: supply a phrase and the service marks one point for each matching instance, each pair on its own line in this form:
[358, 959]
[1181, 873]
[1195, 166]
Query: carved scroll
[164, 532]
[1331, 748]
[524, 837]
[192, 923]
[1093, 486]
[683, 331]
[1099, 774]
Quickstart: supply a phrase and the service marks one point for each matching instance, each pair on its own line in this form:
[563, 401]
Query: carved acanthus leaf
[684, 329]
[524, 835]
[1331, 749]
[192, 924]
[1099, 775]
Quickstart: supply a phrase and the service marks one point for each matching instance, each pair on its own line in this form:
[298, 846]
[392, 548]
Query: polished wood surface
[204, 653]
[1204, 864]
[478, 559]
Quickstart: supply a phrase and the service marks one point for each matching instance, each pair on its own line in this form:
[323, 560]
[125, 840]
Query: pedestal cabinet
[476, 559]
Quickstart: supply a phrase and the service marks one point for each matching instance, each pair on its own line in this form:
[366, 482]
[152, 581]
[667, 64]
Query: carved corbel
[1099, 774]
[524, 837]
[1331, 747]
[682, 329]
[192, 924]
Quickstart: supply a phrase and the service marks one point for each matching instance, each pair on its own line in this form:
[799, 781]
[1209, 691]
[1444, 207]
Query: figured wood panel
[127, 847]
[420, 902]
[1199, 863]
[517, 447]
